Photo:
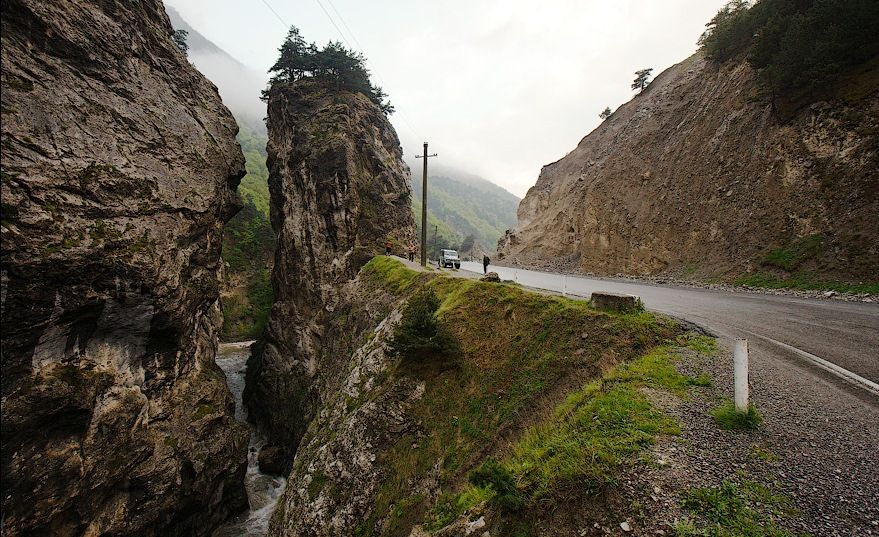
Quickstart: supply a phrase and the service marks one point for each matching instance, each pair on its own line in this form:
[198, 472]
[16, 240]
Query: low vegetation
[562, 385]
[792, 256]
[806, 281]
[740, 508]
[727, 417]
[420, 334]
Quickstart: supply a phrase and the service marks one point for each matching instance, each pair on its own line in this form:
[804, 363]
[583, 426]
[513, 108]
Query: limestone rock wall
[699, 175]
[339, 189]
[119, 169]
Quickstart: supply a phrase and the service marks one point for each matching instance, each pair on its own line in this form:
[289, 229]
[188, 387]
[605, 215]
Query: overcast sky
[498, 87]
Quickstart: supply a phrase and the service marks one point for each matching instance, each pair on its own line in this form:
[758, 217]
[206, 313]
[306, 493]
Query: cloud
[498, 87]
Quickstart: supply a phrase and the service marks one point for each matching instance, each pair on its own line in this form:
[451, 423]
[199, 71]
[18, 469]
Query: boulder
[491, 277]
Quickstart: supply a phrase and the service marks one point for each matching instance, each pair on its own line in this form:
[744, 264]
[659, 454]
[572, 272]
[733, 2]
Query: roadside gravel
[818, 444]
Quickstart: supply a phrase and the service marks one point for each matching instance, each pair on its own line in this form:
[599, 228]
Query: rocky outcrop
[119, 169]
[699, 175]
[339, 189]
[339, 467]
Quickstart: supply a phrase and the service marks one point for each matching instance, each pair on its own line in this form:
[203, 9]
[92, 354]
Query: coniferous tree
[333, 65]
[605, 113]
[642, 79]
[291, 65]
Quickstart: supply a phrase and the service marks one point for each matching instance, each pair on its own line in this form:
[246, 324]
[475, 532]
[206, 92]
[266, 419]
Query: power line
[403, 115]
[275, 13]
[381, 79]
[336, 26]
[342, 19]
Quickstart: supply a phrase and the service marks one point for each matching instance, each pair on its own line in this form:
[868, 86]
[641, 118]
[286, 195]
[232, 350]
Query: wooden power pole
[425, 156]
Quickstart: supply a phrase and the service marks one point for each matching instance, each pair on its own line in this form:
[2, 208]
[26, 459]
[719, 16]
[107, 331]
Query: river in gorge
[263, 490]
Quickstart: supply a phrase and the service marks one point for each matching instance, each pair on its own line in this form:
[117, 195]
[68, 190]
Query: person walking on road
[388, 246]
[411, 251]
[485, 262]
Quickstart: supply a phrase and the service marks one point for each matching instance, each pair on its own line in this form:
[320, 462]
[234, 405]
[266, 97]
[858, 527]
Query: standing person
[485, 262]
[411, 251]
[388, 246]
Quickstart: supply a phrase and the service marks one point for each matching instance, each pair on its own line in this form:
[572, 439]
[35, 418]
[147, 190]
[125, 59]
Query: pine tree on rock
[642, 79]
[334, 65]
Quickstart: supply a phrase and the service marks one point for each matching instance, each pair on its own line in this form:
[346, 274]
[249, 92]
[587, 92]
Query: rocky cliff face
[119, 169]
[698, 175]
[339, 189]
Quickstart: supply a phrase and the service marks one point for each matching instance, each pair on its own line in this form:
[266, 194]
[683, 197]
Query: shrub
[494, 475]
[420, 334]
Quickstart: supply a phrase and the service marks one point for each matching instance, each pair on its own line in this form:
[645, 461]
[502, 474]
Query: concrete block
[615, 302]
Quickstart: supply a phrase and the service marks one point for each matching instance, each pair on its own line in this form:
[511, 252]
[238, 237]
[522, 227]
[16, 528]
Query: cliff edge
[339, 189]
[119, 170]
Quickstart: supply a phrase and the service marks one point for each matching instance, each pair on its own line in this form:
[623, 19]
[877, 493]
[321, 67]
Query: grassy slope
[524, 392]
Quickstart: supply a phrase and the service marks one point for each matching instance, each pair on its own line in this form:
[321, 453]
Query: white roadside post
[740, 370]
[565, 285]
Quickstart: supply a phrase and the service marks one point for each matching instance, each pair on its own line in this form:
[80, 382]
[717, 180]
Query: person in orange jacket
[388, 246]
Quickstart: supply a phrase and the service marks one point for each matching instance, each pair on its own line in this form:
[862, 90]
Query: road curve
[845, 334]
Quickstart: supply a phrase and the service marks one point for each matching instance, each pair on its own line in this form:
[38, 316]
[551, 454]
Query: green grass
[521, 352]
[728, 418]
[793, 255]
[807, 282]
[763, 454]
[580, 448]
[390, 273]
[733, 509]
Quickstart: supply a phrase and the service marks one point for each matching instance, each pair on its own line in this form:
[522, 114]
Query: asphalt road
[830, 338]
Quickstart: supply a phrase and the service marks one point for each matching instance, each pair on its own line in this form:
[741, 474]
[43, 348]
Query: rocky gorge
[119, 170]
[339, 189]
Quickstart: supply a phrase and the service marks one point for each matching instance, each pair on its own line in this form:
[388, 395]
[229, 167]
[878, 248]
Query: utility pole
[425, 156]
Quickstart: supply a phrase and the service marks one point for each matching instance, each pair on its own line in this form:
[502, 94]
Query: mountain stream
[263, 490]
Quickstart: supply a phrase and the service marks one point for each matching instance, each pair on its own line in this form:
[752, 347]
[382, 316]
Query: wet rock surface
[119, 169]
[339, 190]
[698, 177]
[272, 460]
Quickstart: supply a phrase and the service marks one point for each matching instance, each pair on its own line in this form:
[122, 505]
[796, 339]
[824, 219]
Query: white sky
[498, 87]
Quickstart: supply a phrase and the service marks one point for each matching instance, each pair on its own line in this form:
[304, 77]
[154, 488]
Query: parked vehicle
[449, 259]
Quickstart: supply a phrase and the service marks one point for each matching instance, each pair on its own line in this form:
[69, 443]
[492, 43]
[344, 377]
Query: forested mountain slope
[461, 205]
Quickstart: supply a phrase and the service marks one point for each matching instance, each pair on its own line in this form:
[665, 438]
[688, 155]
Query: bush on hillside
[420, 334]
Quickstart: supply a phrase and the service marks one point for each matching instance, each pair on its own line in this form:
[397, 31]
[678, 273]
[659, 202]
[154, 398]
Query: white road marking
[830, 367]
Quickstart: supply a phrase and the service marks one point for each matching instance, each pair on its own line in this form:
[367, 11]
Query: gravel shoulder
[817, 445]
